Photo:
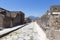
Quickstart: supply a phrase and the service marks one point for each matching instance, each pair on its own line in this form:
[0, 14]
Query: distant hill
[33, 17]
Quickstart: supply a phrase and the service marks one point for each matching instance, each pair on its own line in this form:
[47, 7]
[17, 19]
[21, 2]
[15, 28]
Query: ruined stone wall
[55, 21]
[11, 18]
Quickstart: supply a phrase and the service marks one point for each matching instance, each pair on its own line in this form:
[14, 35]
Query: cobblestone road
[28, 32]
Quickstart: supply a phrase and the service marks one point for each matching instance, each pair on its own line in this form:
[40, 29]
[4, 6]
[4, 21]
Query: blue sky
[29, 7]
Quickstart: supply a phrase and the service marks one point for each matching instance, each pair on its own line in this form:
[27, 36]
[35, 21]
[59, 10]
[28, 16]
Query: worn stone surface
[29, 32]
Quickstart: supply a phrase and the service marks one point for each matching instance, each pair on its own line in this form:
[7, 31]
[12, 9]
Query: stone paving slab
[28, 32]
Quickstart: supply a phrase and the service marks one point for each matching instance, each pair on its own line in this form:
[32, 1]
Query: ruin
[55, 17]
[50, 22]
[11, 18]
